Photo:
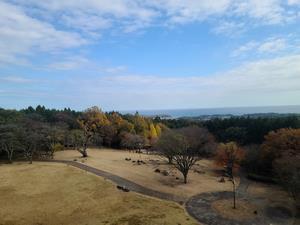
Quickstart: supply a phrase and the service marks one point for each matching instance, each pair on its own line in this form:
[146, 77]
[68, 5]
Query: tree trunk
[84, 153]
[185, 177]
[9, 156]
[31, 155]
[170, 159]
[234, 194]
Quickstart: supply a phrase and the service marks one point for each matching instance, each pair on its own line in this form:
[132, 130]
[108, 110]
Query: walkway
[198, 206]
[123, 182]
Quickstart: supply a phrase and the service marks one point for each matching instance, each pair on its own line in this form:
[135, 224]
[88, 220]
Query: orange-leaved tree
[230, 155]
[281, 150]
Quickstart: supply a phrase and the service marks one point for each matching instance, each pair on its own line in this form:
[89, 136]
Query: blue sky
[151, 54]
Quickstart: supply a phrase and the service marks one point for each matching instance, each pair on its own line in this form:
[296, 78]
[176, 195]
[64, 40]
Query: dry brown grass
[114, 161]
[244, 210]
[49, 193]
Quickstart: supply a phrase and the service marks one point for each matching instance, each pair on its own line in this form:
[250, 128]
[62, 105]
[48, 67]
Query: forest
[267, 149]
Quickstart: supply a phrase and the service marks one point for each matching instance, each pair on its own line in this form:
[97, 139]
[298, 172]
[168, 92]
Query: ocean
[236, 111]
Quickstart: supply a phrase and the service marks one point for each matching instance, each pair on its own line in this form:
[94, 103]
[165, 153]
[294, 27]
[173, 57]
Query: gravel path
[123, 182]
[198, 206]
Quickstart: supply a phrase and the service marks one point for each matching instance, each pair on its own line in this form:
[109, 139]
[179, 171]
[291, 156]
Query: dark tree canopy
[43, 131]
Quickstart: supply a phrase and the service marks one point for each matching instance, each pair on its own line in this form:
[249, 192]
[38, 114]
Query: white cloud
[268, 46]
[87, 23]
[262, 82]
[273, 45]
[183, 11]
[268, 11]
[245, 48]
[93, 15]
[30, 26]
[229, 28]
[23, 35]
[15, 79]
[294, 2]
[70, 63]
[82, 63]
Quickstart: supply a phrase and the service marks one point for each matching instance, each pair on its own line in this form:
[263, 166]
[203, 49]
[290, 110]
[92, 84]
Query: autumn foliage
[281, 150]
[229, 155]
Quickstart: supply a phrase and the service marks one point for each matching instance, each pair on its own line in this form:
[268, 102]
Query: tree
[35, 138]
[281, 142]
[9, 141]
[199, 140]
[184, 157]
[253, 161]
[92, 121]
[230, 155]
[183, 147]
[55, 136]
[236, 134]
[30, 143]
[287, 170]
[166, 145]
[140, 124]
[152, 134]
[158, 130]
[132, 141]
[281, 149]
[76, 138]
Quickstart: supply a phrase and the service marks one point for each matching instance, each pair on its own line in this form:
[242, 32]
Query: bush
[57, 147]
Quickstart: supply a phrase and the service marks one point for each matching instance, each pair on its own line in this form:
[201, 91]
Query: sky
[149, 54]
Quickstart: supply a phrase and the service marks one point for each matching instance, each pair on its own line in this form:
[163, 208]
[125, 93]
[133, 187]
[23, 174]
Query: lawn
[113, 161]
[51, 193]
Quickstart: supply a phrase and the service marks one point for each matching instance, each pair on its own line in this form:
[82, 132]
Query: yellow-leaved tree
[92, 121]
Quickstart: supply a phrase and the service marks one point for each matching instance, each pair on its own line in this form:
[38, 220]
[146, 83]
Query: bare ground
[113, 161]
[50, 193]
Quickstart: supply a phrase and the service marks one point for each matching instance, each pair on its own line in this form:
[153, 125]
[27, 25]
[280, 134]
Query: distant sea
[236, 111]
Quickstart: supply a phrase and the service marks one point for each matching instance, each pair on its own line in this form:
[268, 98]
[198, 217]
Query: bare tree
[166, 145]
[185, 147]
[132, 141]
[184, 157]
[200, 141]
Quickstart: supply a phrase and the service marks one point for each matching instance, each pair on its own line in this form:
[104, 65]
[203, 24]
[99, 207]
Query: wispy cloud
[230, 28]
[262, 82]
[274, 45]
[33, 26]
[22, 35]
[15, 79]
[69, 63]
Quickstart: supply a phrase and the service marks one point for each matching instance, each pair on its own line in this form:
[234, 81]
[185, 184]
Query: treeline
[243, 130]
[39, 132]
[266, 148]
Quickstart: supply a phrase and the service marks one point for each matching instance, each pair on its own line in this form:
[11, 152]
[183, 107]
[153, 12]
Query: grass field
[50, 193]
[114, 161]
